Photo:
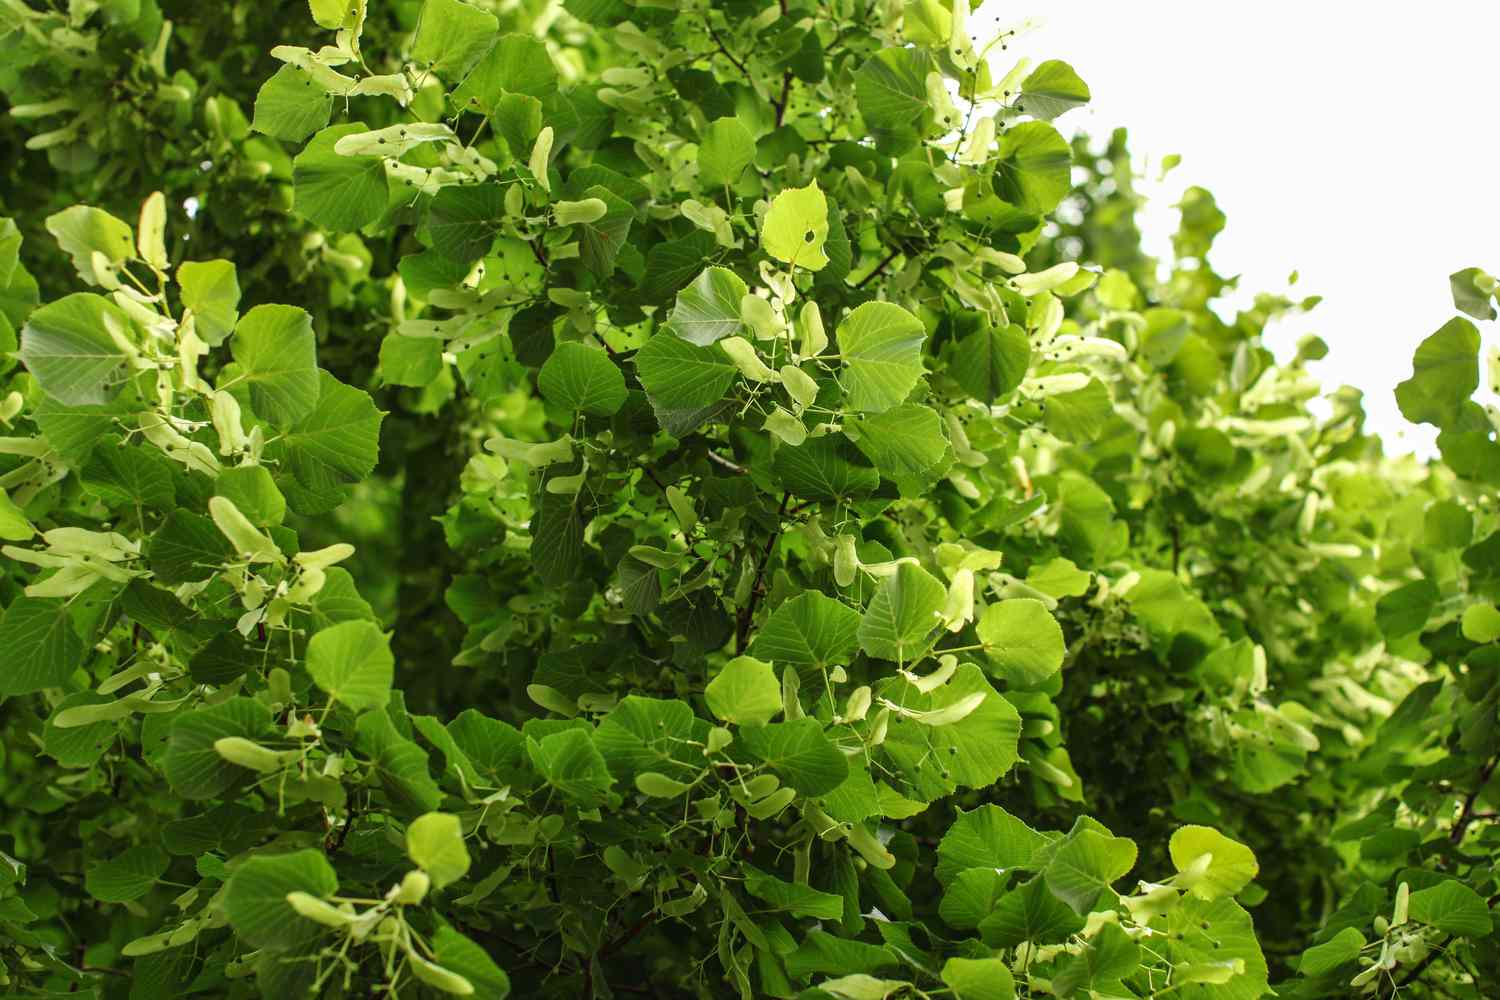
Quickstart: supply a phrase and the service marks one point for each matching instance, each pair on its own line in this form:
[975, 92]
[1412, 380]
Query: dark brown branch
[727, 54]
[878, 268]
[1466, 815]
[786, 95]
[747, 613]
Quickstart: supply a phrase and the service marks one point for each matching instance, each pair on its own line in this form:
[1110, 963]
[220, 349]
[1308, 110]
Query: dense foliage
[707, 499]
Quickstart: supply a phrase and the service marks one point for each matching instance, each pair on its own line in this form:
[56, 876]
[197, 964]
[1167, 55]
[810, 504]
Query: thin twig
[786, 95]
[747, 613]
[862, 282]
[1466, 815]
[727, 54]
[734, 467]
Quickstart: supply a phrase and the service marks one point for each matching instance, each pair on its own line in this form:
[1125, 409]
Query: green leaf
[599, 242]
[986, 837]
[1481, 623]
[515, 65]
[971, 896]
[412, 361]
[881, 347]
[14, 527]
[1230, 868]
[1085, 864]
[906, 443]
[42, 646]
[192, 765]
[1022, 641]
[465, 219]
[134, 477]
[1101, 966]
[451, 37]
[340, 193]
[979, 979]
[1405, 610]
[709, 308]
[1468, 297]
[645, 734]
[73, 349]
[1081, 415]
[456, 952]
[724, 151]
[79, 746]
[973, 752]
[796, 227]
[329, 14]
[187, 548]
[127, 876]
[399, 764]
[1029, 913]
[1034, 171]
[927, 22]
[1452, 908]
[211, 289]
[745, 692]
[825, 468]
[1340, 950]
[902, 615]
[435, 843]
[252, 490]
[1205, 933]
[581, 378]
[1445, 373]
[290, 107]
[991, 362]
[791, 897]
[278, 356]
[82, 231]
[1051, 90]
[570, 762]
[352, 663]
[890, 90]
[809, 630]
[672, 264]
[339, 441]
[255, 898]
[679, 376]
[799, 753]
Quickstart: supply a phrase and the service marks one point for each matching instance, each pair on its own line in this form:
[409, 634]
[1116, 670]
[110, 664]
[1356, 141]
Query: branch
[747, 613]
[727, 54]
[734, 467]
[1466, 816]
[786, 95]
[878, 268]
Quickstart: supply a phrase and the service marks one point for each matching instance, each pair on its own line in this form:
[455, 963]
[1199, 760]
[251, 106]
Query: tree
[602, 499]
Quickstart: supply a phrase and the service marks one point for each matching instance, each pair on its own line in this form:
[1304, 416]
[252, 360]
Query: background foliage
[695, 500]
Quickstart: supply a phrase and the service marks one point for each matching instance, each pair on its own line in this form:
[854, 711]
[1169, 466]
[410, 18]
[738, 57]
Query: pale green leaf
[796, 227]
[745, 692]
[277, 354]
[340, 193]
[352, 663]
[902, 615]
[73, 349]
[709, 308]
[435, 843]
[881, 346]
[1022, 641]
[724, 152]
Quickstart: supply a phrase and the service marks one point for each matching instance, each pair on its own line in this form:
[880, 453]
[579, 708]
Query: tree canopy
[603, 498]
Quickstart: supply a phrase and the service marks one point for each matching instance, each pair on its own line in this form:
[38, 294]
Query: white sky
[1352, 142]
